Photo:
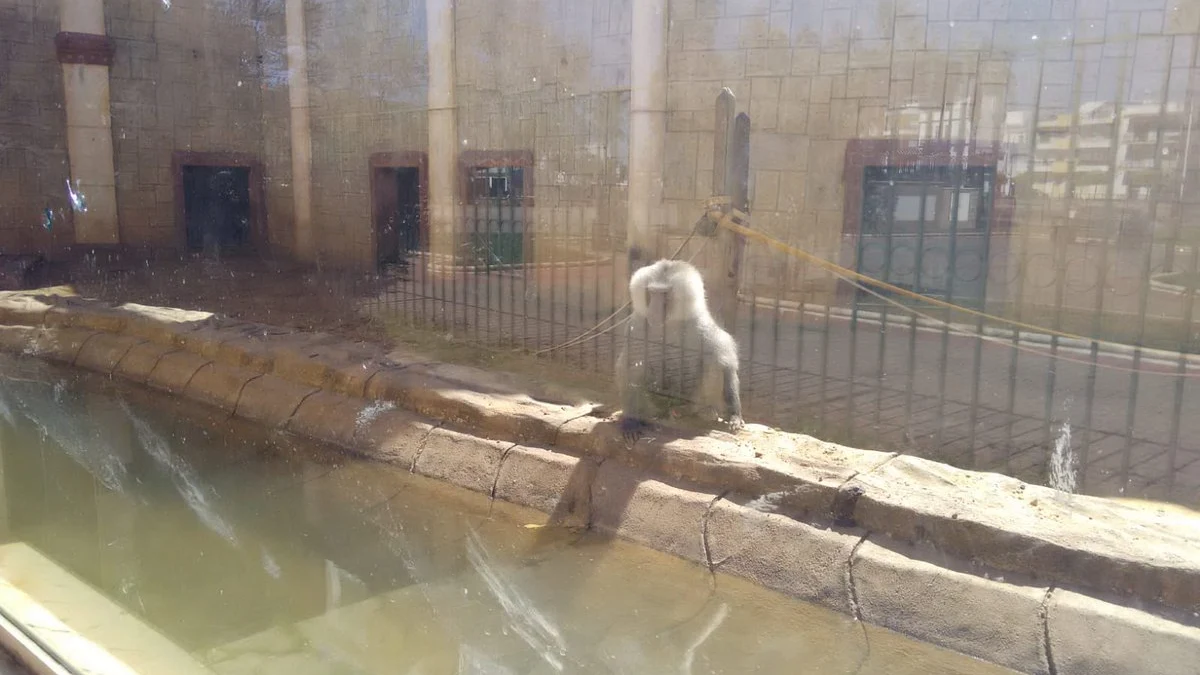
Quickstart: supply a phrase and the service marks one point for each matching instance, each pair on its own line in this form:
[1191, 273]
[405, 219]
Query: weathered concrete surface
[18, 339]
[310, 359]
[329, 417]
[80, 313]
[1015, 526]
[271, 400]
[394, 436]
[219, 385]
[650, 512]
[141, 359]
[162, 324]
[207, 339]
[550, 482]
[21, 309]
[1088, 636]
[175, 370]
[780, 553]
[466, 461]
[104, 351]
[998, 523]
[509, 416]
[61, 344]
[993, 620]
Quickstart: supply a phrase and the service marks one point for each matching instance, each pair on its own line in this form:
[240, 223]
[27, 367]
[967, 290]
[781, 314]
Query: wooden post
[731, 178]
[726, 105]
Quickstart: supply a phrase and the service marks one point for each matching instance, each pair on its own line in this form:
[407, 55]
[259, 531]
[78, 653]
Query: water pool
[176, 539]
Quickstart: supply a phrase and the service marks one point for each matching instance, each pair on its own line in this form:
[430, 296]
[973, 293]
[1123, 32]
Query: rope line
[590, 335]
[727, 220]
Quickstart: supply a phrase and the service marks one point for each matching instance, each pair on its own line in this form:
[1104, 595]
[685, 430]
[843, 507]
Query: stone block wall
[367, 83]
[184, 77]
[33, 137]
[552, 77]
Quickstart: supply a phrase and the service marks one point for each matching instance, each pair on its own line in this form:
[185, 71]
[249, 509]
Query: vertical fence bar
[1147, 269]
[957, 184]
[1185, 327]
[1022, 267]
[1102, 278]
[1061, 242]
[918, 266]
[889, 238]
[852, 351]
[552, 273]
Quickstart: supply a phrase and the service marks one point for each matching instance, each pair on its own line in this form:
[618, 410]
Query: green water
[258, 552]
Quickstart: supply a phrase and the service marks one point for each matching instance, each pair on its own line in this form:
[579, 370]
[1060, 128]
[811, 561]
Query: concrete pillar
[443, 126]
[86, 53]
[301, 131]
[647, 121]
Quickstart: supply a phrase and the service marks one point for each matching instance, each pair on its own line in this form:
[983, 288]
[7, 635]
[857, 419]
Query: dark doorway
[217, 210]
[397, 212]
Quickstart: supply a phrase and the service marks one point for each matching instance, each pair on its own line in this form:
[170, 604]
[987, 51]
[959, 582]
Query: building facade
[321, 121]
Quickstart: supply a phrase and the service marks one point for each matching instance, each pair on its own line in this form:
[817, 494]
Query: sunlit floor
[255, 552]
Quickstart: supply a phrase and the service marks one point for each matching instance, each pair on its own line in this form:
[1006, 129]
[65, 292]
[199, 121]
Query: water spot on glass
[78, 200]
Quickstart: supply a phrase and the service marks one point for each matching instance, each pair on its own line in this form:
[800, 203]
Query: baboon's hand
[631, 428]
[736, 423]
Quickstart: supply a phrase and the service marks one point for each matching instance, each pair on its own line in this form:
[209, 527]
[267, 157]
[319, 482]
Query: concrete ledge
[777, 552]
[1016, 526]
[650, 512]
[162, 324]
[175, 370]
[62, 344]
[207, 339]
[18, 339]
[20, 309]
[753, 504]
[508, 416]
[549, 482]
[71, 312]
[271, 400]
[103, 352]
[1093, 637]
[996, 621]
[394, 436]
[460, 459]
[219, 385]
[140, 360]
[329, 417]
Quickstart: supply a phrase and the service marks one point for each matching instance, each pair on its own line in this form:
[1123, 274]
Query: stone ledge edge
[65, 337]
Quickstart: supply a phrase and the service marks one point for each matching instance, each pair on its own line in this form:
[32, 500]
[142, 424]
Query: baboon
[673, 341]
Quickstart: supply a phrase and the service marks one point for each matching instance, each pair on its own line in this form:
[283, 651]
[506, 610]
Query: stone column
[301, 131]
[647, 122]
[443, 125]
[86, 52]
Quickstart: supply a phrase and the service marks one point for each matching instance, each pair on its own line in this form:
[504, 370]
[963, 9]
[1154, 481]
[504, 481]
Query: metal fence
[1076, 370]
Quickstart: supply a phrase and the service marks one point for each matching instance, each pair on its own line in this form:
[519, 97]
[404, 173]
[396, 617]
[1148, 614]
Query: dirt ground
[273, 293]
[289, 296]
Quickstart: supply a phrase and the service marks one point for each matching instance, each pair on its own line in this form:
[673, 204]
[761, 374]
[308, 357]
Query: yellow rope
[590, 335]
[726, 219]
